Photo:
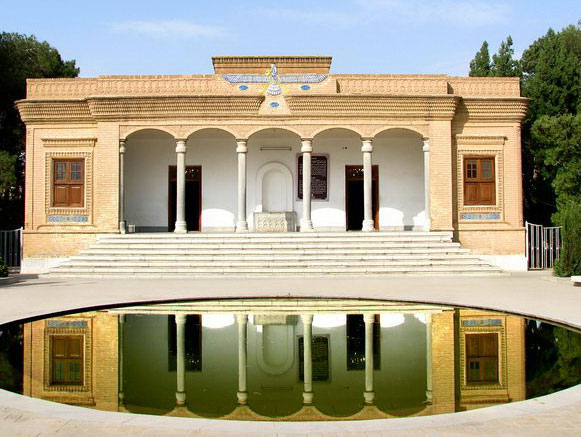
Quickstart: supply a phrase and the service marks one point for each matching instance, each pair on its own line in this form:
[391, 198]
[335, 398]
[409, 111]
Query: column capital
[369, 318]
[241, 145]
[306, 145]
[426, 147]
[242, 319]
[181, 146]
[180, 318]
[121, 145]
[307, 318]
[367, 145]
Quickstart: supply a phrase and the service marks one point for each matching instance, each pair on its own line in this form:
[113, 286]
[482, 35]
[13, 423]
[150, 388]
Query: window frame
[482, 359]
[479, 181]
[67, 381]
[68, 182]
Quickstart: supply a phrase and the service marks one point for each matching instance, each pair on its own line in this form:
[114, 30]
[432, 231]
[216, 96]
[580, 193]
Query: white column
[121, 327]
[427, 183]
[242, 358]
[181, 226]
[122, 224]
[181, 359]
[428, 358]
[368, 222]
[307, 150]
[369, 394]
[241, 150]
[308, 358]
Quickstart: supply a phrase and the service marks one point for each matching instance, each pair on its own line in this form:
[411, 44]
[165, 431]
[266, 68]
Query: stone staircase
[283, 254]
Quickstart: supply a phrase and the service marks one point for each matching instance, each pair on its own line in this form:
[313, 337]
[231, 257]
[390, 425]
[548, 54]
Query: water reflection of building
[249, 359]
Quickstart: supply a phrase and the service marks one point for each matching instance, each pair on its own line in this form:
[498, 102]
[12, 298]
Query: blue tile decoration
[68, 219]
[482, 322]
[243, 87]
[480, 216]
[305, 87]
[274, 104]
[67, 323]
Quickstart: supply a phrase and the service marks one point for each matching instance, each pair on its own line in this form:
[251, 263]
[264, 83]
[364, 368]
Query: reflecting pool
[288, 359]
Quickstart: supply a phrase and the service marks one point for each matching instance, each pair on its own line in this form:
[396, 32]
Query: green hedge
[569, 263]
[3, 269]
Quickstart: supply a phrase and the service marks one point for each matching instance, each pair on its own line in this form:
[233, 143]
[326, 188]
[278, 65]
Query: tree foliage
[550, 69]
[502, 64]
[21, 57]
[480, 65]
[569, 262]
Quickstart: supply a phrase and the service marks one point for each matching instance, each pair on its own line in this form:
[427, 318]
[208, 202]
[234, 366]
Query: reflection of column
[121, 343]
[181, 359]
[242, 340]
[308, 357]
[122, 227]
[368, 222]
[369, 394]
[307, 150]
[181, 226]
[426, 184]
[428, 358]
[242, 150]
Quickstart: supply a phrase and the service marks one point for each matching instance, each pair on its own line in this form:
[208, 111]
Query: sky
[363, 36]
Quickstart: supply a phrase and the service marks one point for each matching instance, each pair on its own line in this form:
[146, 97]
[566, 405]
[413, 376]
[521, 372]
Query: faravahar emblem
[273, 81]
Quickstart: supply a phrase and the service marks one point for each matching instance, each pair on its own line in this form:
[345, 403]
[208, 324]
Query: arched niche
[274, 188]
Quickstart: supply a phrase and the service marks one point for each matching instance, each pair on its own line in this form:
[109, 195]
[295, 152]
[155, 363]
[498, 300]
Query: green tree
[480, 65]
[21, 57]
[503, 64]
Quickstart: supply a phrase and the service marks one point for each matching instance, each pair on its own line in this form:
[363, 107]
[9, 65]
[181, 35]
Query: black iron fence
[543, 245]
[11, 247]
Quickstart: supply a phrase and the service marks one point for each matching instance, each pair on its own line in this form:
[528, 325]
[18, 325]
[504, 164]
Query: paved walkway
[532, 294]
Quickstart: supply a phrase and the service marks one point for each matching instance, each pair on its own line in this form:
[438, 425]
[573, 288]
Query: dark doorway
[354, 196]
[193, 197]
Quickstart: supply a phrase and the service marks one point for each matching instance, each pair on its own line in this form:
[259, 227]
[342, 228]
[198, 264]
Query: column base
[368, 226]
[123, 227]
[306, 225]
[308, 398]
[427, 226]
[180, 399]
[181, 228]
[242, 226]
[428, 397]
[242, 397]
[369, 397]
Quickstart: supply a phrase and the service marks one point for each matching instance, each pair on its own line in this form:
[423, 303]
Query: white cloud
[168, 29]
[312, 16]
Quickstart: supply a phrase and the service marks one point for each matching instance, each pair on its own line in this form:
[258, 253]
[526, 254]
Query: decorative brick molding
[489, 108]
[85, 211]
[69, 142]
[481, 145]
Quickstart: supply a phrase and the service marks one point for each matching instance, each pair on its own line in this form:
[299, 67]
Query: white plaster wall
[147, 157]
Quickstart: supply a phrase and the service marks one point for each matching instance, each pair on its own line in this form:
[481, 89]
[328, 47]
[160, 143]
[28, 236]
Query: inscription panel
[319, 177]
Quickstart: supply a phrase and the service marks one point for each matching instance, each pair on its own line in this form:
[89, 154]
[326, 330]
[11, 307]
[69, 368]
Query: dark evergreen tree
[503, 64]
[21, 57]
[480, 65]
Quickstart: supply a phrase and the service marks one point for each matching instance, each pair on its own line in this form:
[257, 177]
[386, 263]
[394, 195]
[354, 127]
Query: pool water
[288, 359]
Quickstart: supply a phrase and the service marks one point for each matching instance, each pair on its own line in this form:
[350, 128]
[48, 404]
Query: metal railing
[11, 247]
[543, 245]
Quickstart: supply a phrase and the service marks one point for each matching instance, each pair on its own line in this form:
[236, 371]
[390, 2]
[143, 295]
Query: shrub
[3, 269]
[569, 262]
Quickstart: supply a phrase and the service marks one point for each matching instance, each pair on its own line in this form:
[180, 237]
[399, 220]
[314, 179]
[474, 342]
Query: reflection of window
[356, 342]
[193, 352]
[66, 359]
[479, 181]
[482, 357]
[68, 183]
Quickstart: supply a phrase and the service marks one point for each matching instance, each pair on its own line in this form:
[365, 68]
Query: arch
[265, 128]
[287, 179]
[136, 129]
[199, 129]
[328, 128]
[402, 128]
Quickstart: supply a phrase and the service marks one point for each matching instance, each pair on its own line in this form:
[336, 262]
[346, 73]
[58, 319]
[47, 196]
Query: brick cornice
[490, 108]
[422, 107]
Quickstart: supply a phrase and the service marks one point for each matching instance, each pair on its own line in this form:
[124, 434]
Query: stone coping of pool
[576, 280]
[534, 294]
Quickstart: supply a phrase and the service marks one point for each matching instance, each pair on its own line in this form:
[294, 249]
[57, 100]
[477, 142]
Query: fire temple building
[273, 144]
